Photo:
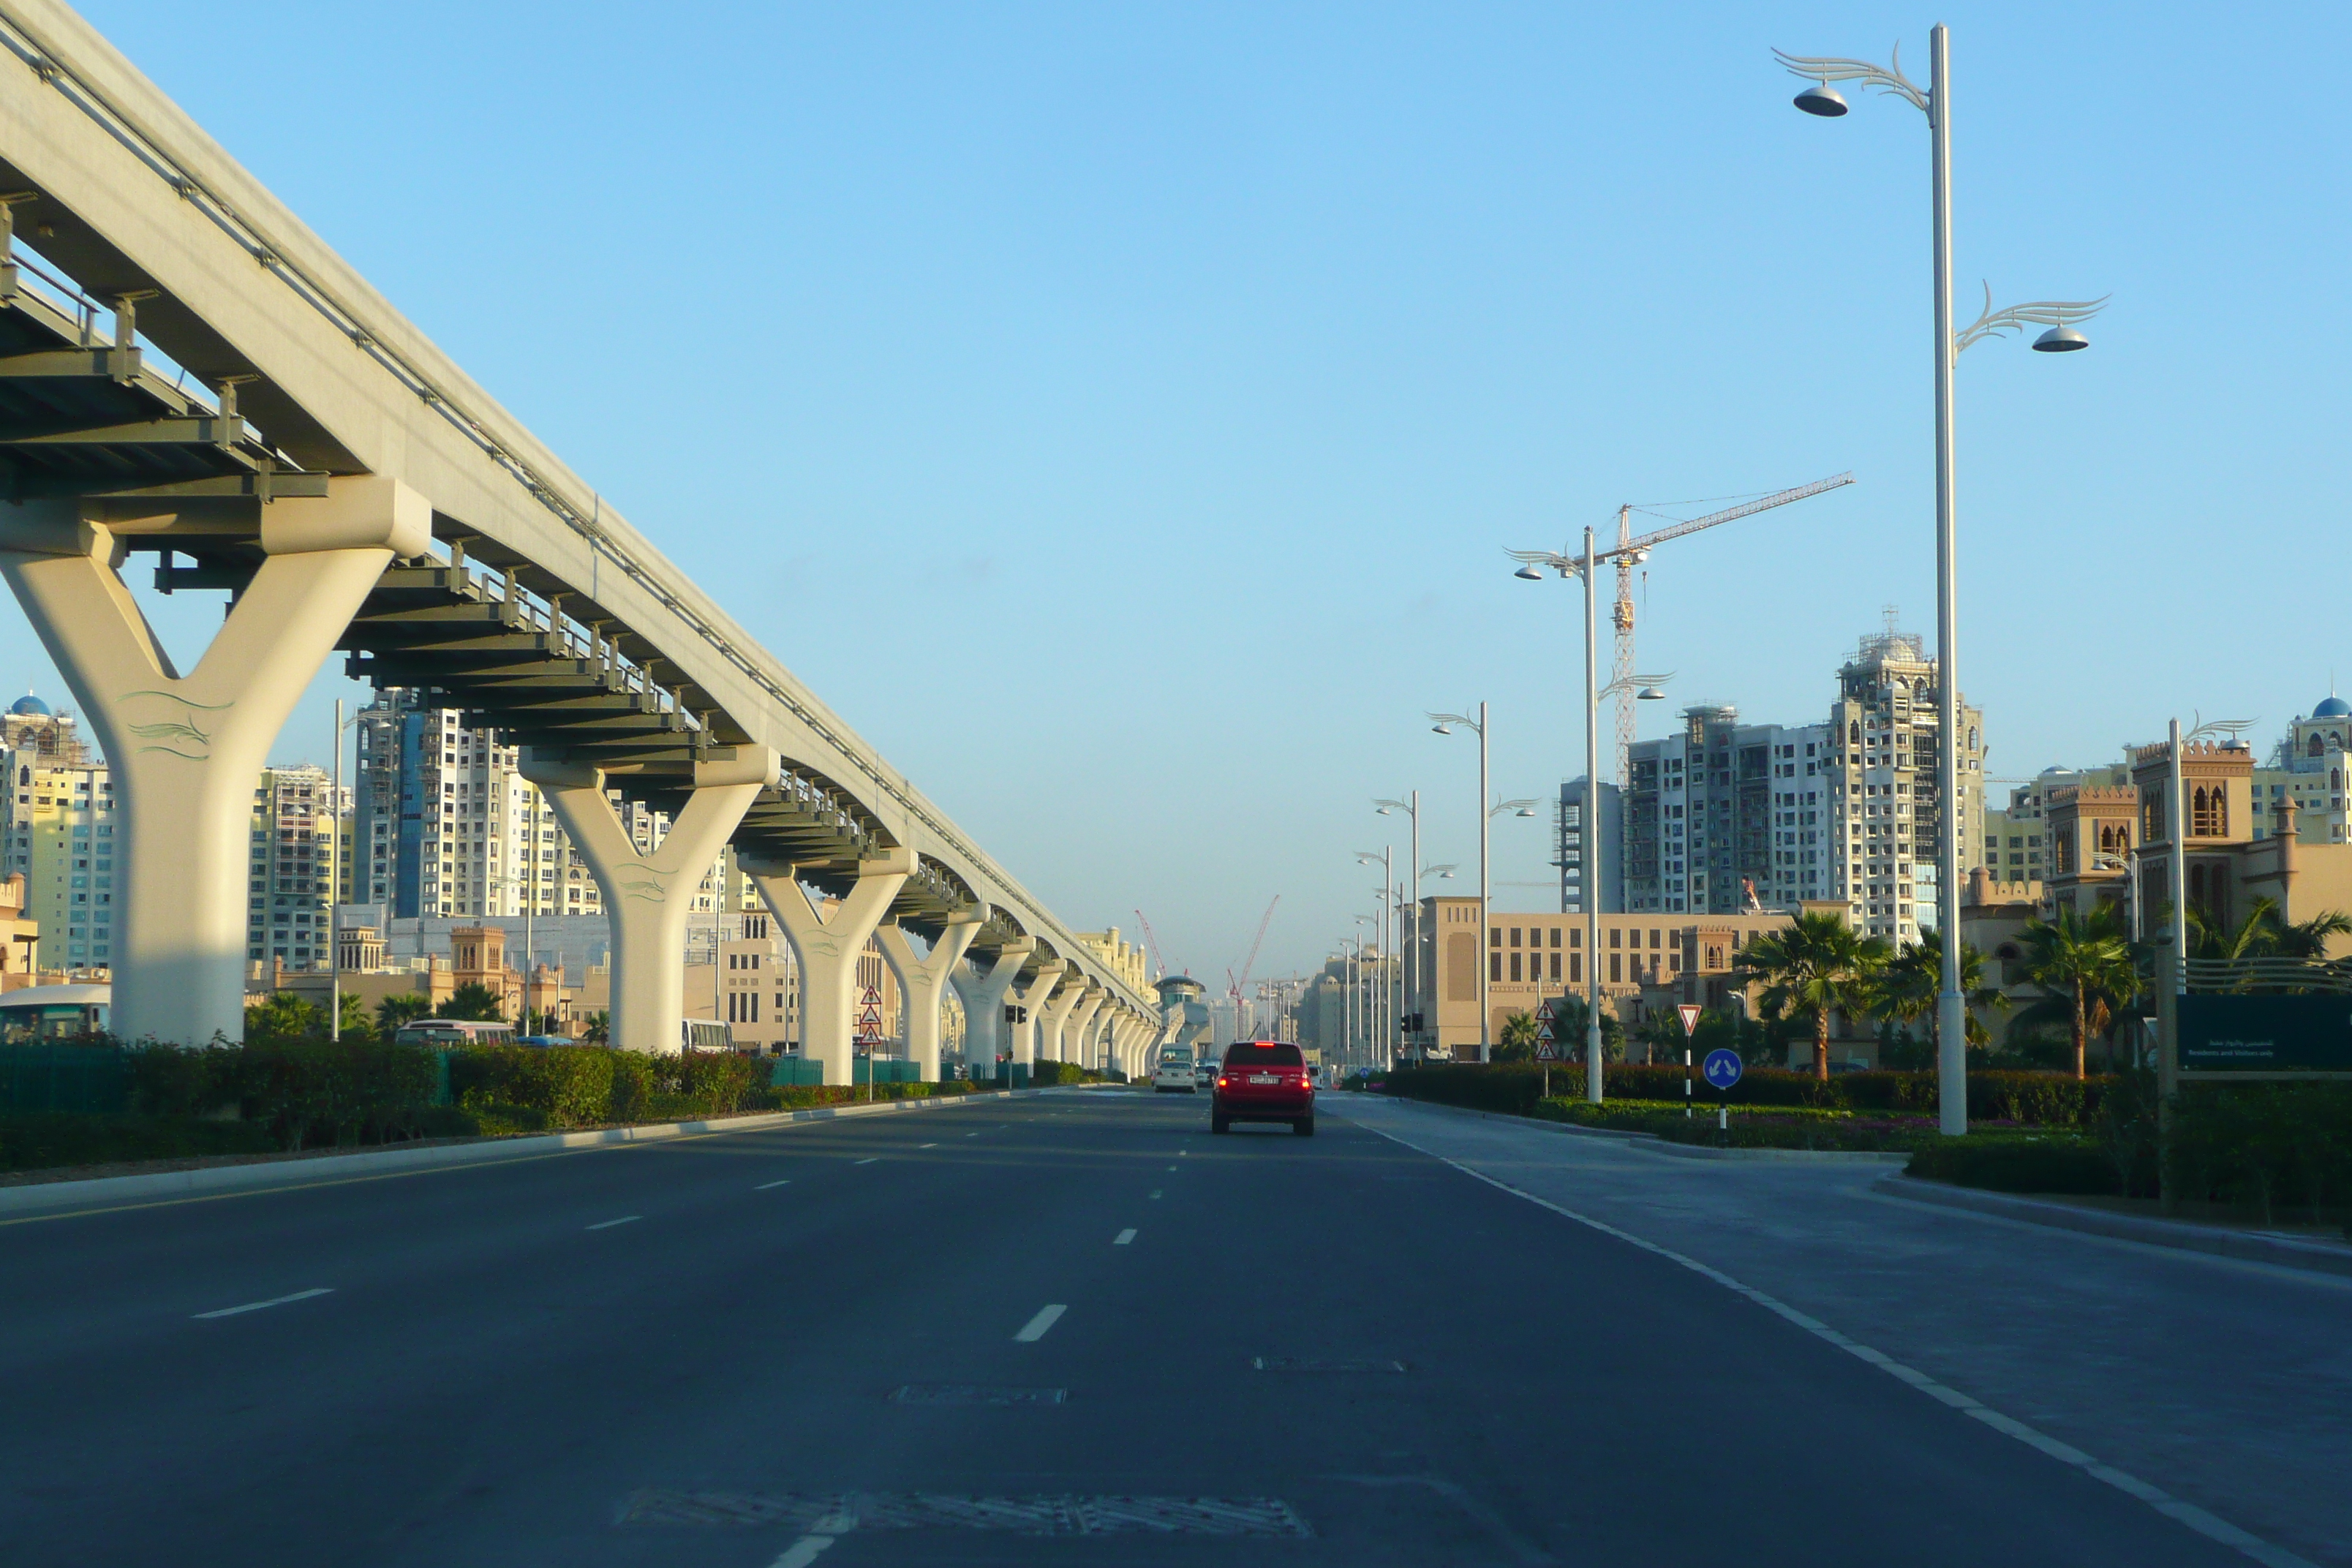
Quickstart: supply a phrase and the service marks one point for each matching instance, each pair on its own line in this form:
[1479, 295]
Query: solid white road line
[867, 1161]
[763, 1186]
[2210, 1526]
[609, 1224]
[277, 1302]
[1035, 1328]
[1123, 1237]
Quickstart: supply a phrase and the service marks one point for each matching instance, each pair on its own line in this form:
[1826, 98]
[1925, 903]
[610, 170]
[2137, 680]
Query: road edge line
[2207, 1524]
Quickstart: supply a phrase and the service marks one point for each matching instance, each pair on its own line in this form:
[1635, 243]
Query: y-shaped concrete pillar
[827, 947]
[185, 749]
[982, 992]
[1080, 1026]
[1031, 997]
[1054, 1019]
[923, 982]
[648, 896]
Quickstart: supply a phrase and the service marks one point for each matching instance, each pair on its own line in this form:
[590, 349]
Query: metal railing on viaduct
[187, 372]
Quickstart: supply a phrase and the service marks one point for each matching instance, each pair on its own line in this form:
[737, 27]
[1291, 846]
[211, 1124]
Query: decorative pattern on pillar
[185, 749]
[1053, 1044]
[648, 897]
[923, 980]
[1031, 996]
[981, 992]
[827, 947]
[1080, 1027]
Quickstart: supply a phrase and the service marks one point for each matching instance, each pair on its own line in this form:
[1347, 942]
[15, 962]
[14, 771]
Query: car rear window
[1263, 1054]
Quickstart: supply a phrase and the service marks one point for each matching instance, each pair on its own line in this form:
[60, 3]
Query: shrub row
[2045, 1100]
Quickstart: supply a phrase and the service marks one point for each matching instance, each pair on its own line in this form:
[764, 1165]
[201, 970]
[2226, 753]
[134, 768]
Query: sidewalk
[2221, 1380]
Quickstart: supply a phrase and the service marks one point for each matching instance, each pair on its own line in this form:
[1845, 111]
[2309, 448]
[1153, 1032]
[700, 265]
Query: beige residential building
[291, 859]
[1649, 961]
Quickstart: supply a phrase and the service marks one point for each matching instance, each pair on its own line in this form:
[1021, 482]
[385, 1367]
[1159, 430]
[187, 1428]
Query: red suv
[1263, 1080]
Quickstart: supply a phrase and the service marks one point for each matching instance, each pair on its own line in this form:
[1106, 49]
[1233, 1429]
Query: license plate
[1264, 1077]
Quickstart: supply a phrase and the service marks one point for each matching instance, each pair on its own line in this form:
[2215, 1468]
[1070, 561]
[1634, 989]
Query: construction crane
[1151, 941]
[1630, 552]
[1234, 987]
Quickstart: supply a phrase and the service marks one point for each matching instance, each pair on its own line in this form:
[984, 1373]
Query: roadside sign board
[1690, 1011]
[1544, 1013]
[1546, 1051]
[2234, 1033]
[1722, 1068]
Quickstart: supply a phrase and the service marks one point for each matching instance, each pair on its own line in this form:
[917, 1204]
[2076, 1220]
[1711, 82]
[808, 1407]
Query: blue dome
[31, 706]
[2334, 707]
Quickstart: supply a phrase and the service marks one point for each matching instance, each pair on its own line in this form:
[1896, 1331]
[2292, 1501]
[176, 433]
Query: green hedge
[46, 1140]
[2058, 1164]
[2045, 1100]
[2273, 1150]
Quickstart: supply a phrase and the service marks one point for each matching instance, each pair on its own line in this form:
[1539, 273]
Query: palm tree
[1661, 1031]
[1909, 986]
[1570, 1019]
[398, 1009]
[1816, 966]
[2087, 956]
[597, 1028]
[1518, 1040]
[476, 1001]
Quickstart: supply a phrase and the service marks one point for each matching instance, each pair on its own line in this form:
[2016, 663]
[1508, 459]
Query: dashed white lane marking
[867, 1161]
[926, 1145]
[763, 1186]
[1123, 1237]
[811, 1547]
[1035, 1328]
[972, 1134]
[2211, 1526]
[1183, 1153]
[609, 1224]
[1155, 1192]
[257, 1305]
[1171, 1167]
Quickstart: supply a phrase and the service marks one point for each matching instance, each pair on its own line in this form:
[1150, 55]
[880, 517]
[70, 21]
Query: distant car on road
[1174, 1075]
[1263, 1080]
[1205, 1075]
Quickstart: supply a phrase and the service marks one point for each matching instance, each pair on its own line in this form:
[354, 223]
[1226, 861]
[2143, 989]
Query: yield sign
[1689, 1010]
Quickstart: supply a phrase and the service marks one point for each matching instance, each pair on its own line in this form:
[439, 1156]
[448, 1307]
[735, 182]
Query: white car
[1175, 1074]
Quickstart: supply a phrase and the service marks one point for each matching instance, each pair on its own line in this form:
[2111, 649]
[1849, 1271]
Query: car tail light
[1220, 1081]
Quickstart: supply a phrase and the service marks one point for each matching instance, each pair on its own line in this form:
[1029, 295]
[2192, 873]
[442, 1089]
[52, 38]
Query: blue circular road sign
[1722, 1068]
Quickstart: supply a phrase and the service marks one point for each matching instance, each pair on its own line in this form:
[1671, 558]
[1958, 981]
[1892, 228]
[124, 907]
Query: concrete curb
[1650, 1142]
[2284, 1251]
[266, 1173]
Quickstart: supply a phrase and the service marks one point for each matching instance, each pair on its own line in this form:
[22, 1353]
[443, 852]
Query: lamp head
[2060, 341]
[1526, 811]
[1823, 100]
[1650, 694]
[1528, 573]
[1440, 729]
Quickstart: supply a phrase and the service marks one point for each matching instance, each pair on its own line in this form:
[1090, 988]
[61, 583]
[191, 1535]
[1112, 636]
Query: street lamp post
[1443, 724]
[1385, 861]
[1935, 101]
[1645, 689]
[1408, 982]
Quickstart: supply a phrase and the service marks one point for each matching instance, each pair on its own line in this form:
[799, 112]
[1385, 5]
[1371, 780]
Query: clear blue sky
[1118, 412]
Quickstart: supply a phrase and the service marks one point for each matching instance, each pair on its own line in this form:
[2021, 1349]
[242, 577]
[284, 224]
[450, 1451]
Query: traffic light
[1015, 1015]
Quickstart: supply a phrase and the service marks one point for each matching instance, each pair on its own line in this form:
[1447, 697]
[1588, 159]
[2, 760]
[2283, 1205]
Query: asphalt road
[1071, 1329]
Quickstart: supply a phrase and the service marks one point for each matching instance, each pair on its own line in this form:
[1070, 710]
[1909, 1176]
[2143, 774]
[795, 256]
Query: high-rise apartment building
[1884, 809]
[295, 817]
[445, 824]
[57, 827]
[1728, 818]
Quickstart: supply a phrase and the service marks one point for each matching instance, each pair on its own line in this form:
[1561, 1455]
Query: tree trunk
[1821, 1044]
[2080, 1027]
